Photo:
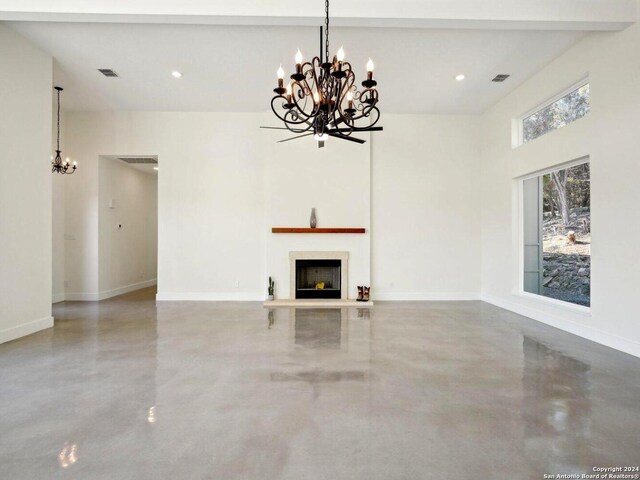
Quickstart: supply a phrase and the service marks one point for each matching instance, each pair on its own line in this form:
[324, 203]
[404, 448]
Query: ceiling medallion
[57, 165]
[322, 98]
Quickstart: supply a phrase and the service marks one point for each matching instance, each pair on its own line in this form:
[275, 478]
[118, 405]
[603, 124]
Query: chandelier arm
[300, 110]
[344, 137]
[295, 138]
[311, 74]
[374, 113]
[344, 89]
[283, 118]
[289, 125]
[305, 90]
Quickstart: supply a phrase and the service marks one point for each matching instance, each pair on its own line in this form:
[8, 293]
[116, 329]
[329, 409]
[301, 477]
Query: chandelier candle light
[322, 98]
[57, 165]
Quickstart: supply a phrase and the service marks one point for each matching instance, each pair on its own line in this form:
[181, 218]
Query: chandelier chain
[58, 139]
[326, 30]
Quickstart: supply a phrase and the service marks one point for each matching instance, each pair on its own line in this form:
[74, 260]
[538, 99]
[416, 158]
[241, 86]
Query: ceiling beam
[591, 15]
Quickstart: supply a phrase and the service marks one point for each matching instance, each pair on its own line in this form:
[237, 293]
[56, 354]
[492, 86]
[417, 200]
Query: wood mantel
[316, 230]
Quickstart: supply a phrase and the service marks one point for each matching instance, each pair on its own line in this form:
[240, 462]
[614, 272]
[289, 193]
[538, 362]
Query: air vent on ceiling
[139, 160]
[107, 72]
[501, 77]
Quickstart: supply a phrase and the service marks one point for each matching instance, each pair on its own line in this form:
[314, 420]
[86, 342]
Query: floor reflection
[318, 328]
[320, 352]
[318, 376]
[557, 408]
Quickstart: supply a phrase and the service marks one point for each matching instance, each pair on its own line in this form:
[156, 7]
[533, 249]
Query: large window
[561, 111]
[557, 235]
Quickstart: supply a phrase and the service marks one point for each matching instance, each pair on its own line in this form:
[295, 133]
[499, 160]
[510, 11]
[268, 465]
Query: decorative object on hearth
[365, 293]
[360, 293]
[271, 289]
[313, 221]
[322, 98]
[57, 165]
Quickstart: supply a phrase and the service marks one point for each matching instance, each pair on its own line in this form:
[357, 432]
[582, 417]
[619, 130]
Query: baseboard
[425, 296]
[210, 297]
[81, 297]
[127, 288]
[25, 329]
[57, 298]
[97, 296]
[613, 341]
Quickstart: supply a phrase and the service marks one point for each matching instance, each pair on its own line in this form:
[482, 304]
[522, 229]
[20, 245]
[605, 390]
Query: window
[569, 107]
[557, 235]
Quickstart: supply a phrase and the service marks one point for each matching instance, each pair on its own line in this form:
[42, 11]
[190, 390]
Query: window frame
[519, 140]
[519, 283]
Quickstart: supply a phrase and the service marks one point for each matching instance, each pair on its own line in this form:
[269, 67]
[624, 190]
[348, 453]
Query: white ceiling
[232, 68]
[487, 14]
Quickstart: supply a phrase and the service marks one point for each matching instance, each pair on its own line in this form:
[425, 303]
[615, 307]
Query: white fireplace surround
[344, 269]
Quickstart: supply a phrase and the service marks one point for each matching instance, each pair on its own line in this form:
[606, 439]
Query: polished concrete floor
[125, 389]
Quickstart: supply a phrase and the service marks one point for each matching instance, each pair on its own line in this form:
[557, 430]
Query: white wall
[609, 136]
[25, 187]
[210, 200]
[425, 208]
[335, 180]
[128, 228]
[223, 185]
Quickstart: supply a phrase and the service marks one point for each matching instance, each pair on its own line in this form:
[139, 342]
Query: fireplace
[318, 278]
[309, 270]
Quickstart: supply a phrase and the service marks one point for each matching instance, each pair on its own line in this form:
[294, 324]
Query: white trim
[518, 141]
[81, 297]
[555, 302]
[254, 297]
[127, 288]
[425, 296]
[57, 297]
[613, 341]
[210, 297]
[25, 329]
[97, 296]
[560, 166]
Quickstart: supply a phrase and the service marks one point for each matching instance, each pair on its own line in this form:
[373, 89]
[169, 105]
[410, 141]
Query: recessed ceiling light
[460, 77]
[155, 168]
[176, 74]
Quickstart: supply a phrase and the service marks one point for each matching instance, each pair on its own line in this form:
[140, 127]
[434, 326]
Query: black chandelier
[322, 98]
[57, 165]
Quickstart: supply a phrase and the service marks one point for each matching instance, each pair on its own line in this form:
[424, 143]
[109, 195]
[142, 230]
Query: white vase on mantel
[313, 221]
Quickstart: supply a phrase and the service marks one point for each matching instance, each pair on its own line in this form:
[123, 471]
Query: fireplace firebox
[318, 278]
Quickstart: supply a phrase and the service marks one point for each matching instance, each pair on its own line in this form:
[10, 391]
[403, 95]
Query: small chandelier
[57, 165]
[322, 98]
